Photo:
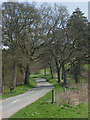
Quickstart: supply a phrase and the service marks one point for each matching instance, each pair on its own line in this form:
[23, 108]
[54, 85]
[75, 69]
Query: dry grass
[75, 95]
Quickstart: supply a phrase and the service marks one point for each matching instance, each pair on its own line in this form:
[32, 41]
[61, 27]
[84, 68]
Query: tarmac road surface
[13, 104]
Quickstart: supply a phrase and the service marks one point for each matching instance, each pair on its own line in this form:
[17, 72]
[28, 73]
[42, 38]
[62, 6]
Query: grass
[19, 89]
[43, 108]
[42, 71]
[86, 66]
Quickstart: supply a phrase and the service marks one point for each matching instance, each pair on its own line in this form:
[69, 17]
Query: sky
[71, 6]
[60, 0]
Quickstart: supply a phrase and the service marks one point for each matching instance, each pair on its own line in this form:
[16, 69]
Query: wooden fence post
[53, 96]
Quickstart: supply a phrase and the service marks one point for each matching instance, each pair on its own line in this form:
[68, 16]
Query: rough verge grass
[19, 89]
[43, 108]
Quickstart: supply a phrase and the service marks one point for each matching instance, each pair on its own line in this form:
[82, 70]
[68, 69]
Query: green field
[43, 108]
[19, 89]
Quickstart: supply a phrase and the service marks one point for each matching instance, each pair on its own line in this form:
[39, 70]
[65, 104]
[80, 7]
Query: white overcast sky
[48, 0]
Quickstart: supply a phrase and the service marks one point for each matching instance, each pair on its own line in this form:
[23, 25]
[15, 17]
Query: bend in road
[14, 104]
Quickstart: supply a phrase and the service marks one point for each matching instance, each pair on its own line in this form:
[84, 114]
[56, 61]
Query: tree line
[47, 34]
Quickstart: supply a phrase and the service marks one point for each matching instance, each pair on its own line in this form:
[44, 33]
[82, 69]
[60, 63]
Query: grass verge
[19, 89]
[86, 66]
[43, 108]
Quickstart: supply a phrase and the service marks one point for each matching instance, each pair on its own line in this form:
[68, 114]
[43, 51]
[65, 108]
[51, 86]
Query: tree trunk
[79, 67]
[44, 70]
[58, 72]
[64, 73]
[3, 72]
[15, 75]
[27, 74]
[59, 75]
[51, 72]
[76, 78]
[77, 71]
[13, 82]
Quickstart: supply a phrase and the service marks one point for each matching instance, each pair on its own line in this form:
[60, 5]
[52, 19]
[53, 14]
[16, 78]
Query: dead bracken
[78, 95]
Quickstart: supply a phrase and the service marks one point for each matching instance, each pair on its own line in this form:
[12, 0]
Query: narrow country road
[14, 104]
